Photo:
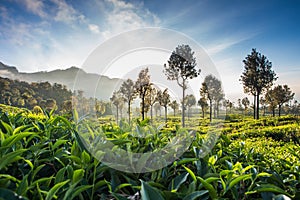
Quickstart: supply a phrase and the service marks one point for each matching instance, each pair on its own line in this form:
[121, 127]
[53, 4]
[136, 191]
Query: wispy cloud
[94, 28]
[35, 6]
[125, 16]
[66, 13]
[35, 43]
[225, 43]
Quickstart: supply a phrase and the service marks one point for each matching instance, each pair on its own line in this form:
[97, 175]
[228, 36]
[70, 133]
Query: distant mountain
[74, 78]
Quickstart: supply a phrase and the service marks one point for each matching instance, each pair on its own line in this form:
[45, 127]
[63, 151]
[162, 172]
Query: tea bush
[43, 157]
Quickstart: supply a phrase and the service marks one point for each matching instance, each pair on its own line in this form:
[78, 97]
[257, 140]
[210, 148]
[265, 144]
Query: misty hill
[74, 78]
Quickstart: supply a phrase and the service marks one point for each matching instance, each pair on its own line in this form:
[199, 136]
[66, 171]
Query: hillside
[67, 77]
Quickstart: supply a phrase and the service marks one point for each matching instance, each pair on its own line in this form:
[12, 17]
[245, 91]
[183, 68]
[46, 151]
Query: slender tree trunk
[215, 111]
[129, 112]
[210, 110]
[143, 108]
[121, 113]
[202, 113]
[151, 113]
[166, 119]
[174, 112]
[254, 106]
[257, 106]
[117, 113]
[273, 111]
[182, 105]
[279, 110]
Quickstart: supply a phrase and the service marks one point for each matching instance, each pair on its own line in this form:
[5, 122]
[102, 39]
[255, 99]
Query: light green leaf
[55, 189]
[7, 127]
[79, 190]
[270, 188]
[237, 180]
[212, 192]
[191, 173]
[86, 158]
[122, 186]
[8, 142]
[77, 175]
[11, 157]
[58, 143]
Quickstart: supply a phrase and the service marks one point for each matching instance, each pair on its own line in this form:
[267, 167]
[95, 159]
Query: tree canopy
[212, 90]
[181, 67]
[257, 76]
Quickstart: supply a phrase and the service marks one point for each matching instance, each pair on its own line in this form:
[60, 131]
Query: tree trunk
[273, 111]
[279, 110]
[129, 112]
[210, 110]
[257, 106]
[174, 112]
[182, 105]
[151, 113]
[117, 113]
[121, 113]
[143, 108]
[166, 119]
[214, 111]
[254, 107]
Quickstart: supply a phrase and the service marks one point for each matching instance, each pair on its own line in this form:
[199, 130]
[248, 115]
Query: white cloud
[36, 7]
[226, 43]
[119, 4]
[94, 28]
[125, 16]
[66, 13]
[33, 45]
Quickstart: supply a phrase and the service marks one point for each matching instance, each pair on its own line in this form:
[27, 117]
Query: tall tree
[212, 90]
[151, 99]
[203, 104]
[181, 67]
[246, 103]
[282, 95]
[190, 101]
[218, 97]
[100, 107]
[157, 107]
[117, 99]
[228, 104]
[240, 104]
[263, 103]
[271, 100]
[174, 105]
[257, 76]
[142, 85]
[163, 98]
[129, 93]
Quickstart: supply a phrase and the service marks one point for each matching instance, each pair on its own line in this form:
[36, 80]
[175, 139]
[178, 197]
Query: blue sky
[44, 35]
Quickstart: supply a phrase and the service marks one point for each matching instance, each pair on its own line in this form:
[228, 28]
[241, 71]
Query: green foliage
[42, 157]
[257, 76]
[182, 67]
[29, 95]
